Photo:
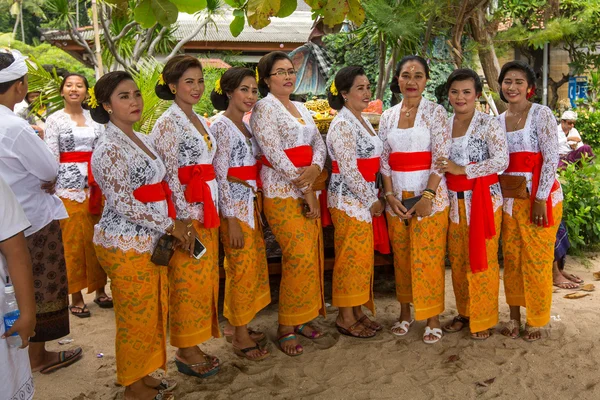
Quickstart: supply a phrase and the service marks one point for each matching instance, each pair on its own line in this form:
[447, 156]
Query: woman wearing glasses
[294, 157]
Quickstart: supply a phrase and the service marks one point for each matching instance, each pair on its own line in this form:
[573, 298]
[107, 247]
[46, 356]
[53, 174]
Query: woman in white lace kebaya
[186, 146]
[352, 197]
[478, 153]
[237, 169]
[294, 154]
[530, 220]
[139, 210]
[414, 135]
[71, 135]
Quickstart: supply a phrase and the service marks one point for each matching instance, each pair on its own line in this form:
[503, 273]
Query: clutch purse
[513, 186]
[410, 202]
[164, 250]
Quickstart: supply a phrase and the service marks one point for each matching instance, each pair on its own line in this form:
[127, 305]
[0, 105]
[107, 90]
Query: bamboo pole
[98, 51]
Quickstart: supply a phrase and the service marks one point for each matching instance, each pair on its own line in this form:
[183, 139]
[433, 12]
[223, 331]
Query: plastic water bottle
[11, 314]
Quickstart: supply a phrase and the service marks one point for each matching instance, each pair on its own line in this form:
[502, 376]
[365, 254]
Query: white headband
[15, 70]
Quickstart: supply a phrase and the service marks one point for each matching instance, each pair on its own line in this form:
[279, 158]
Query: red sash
[95, 204]
[481, 225]
[197, 190]
[156, 192]
[368, 168]
[246, 173]
[409, 162]
[525, 161]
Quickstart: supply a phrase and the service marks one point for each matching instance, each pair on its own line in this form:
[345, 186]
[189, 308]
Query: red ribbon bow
[95, 203]
[198, 191]
[156, 192]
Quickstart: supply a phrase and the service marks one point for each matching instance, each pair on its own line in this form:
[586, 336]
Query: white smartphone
[199, 249]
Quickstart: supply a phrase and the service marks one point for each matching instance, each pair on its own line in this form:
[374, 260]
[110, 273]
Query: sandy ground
[564, 365]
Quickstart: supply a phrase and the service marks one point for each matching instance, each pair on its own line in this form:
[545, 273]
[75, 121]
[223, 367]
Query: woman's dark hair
[85, 82]
[173, 70]
[103, 90]
[516, 65]
[265, 65]
[231, 80]
[394, 87]
[5, 60]
[344, 79]
[464, 74]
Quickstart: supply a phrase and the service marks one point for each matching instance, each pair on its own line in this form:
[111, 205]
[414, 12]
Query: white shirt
[564, 145]
[26, 162]
[15, 380]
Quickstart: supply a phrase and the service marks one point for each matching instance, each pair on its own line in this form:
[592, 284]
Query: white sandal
[404, 325]
[437, 332]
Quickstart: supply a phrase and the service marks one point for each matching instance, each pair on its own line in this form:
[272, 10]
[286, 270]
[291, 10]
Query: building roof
[214, 63]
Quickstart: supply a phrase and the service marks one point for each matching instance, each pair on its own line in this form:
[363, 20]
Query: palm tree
[16, 8]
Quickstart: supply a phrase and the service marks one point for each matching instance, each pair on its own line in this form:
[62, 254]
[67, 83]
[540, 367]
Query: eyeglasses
[281, 73]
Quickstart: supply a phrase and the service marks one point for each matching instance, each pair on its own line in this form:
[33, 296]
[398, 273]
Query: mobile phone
[199, 249]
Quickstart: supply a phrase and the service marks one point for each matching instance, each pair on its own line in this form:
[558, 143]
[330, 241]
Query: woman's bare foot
[571, 277]
[559, 280]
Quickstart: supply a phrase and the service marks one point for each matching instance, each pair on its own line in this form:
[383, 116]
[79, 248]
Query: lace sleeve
[343, 143]
[383, 132]
[221, 164]
[497, 149]
[111, 170]
[441, 137]
[265, 129]
[548, 142]
[166, 142]
[51, 137]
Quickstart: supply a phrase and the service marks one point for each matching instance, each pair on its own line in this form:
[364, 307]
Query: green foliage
[204, 106]
[47, 83]
[581, 206]
[588, 124]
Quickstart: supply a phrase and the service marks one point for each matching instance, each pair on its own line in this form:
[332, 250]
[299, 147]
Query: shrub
[588, 124]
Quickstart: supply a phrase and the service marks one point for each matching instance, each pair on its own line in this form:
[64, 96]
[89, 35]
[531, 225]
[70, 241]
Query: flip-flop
[574, 278]
[475, 337]
[290, 336]
[404, 325]
[85, 313]
[65, 358]
[436, 332]
[528, 331]
[188, 369]
[350, 331]
[104, 303]
[259, 338]
[315, 334]
[511, 326]
[370, 324]
[459, 318]
[244, 353]
[563, 284]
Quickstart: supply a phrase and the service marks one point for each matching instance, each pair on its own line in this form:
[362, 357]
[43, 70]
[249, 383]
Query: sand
[564, 365]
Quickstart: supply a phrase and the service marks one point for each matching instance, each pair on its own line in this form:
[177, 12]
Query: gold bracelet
[428, 195]
[388, 194]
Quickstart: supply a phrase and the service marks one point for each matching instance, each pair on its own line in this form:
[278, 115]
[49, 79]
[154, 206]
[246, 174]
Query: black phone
[199, 249]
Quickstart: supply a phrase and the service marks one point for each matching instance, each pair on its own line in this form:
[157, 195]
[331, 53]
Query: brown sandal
[373, 325]
[352, 331]
[459, 318]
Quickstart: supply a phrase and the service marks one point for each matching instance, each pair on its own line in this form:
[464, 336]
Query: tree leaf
[237, 26]
[234, 3]
[316, 4]
[356, 12]
[287, 8]
[334, 12]
[166, 12]
[259, 12]
[238, 13]
[189, 6]
[576, 295]
[144, 15]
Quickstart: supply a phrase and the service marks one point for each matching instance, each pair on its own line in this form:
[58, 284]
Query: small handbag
[410, 202]
[164, 250]
[513, 186]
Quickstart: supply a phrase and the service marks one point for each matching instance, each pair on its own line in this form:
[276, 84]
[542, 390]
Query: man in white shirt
[570, 146]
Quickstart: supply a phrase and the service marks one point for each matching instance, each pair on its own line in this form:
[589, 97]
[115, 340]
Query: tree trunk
[381, 76]
[487, 53]
[22, 19]
[554, 85]
[16, 26]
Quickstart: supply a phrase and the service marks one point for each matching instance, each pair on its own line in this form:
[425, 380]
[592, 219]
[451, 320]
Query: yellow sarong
[194, 292]
[247, 275]
[476, 294]
[528, 257]
[83, 268]
[140, 291]
[354, 261]
[302, 265]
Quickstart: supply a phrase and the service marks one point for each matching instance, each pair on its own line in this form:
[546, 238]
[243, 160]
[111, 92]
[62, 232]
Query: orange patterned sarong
[528, 257]
[302, 265]
[194, 292]
[140, 291]
[354, 261]
[83, 268]
[419, 261]
[247, 275]
[476, 293]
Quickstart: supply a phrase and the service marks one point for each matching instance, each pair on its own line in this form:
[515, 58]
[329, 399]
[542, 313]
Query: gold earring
[173, 90]
[109, 111]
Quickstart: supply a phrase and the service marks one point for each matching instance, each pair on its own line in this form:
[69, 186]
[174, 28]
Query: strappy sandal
[166, 385]
[259, 337]
[436, 332]
[290, 336]
[83, 313]
[164, 395]
[510, 327]
[373, 325]
[475, 337]
[459, 318]
[244, 353]
[315, 334]
[65, 358]
[188, 369]
[404, 325]
[528, 331]
[352, 331]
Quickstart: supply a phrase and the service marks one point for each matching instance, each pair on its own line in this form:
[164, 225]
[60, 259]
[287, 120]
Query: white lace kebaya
[276, 130]
[429, 134]
[347, 141]
[234, 149]
[120, 166]
[483, 149]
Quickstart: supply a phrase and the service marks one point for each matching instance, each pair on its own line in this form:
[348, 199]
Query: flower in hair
[333, 89]
[161, 79]
[257, 75]
[218, 89]
[92, 101]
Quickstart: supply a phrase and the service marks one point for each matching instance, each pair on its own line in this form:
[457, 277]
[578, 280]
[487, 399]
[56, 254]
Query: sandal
[574, 278]
[568, 285]
[404, 325]
[475, 337]
[459, 318]
[373, 325]
[510, 327]
[437, 332]
[107, 302]
[188, 369]
[163, 395]
[315, 334]
[290, 336]
[528, 331]
[244, 353]
[166, 385]
[65, 358]
[350, 331]
[258, 336]
[83, 313]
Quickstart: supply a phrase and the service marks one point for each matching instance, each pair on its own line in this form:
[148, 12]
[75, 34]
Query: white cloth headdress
[15, 70]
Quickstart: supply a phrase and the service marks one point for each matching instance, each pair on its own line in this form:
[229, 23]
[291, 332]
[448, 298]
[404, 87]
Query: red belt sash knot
[481, 225]
[368, 168]
[525, 161]
[196, 177]
[95, 203]
[156, 192]
[409, 162]
[247, 173]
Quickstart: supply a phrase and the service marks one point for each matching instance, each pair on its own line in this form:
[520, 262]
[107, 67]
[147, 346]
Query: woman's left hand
[422, 208]
[446, 165]
[540, 216]
[307, 176]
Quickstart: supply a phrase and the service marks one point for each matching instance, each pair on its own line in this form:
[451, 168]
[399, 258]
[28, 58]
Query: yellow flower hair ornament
[92, 101]
[218, 89]
[333, 89]
[161, 79]
[257, 76]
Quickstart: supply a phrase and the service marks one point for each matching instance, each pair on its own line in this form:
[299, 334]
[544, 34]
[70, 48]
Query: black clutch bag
[164, 250]
[410, 202]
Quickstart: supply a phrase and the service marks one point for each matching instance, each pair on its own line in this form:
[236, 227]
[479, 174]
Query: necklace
[521, 114]
[407, 112]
